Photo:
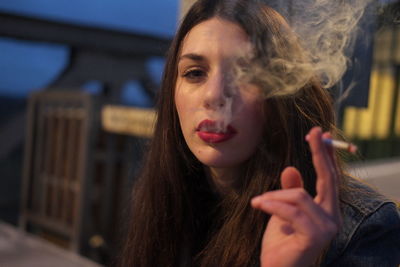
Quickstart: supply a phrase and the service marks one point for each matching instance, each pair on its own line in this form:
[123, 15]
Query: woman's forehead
[215, 34]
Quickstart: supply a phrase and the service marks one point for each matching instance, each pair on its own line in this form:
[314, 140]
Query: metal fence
[77, 176]
[55, 189]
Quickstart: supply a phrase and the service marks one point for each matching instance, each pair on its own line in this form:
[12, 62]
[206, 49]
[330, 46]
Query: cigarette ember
[341, 145]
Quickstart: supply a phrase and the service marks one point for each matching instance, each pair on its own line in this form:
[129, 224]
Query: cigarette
[340, 145]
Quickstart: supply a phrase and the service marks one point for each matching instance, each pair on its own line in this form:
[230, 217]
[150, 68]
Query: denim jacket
[370, 235]
[370, 232]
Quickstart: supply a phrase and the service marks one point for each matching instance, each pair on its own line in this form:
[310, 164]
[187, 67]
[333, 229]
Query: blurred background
[78, 81]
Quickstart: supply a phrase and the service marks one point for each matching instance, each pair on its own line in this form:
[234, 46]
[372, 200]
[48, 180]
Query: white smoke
[328, 30]
[319, 46]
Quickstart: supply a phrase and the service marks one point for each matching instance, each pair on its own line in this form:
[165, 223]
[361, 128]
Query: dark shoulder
[371, 225]
[361, 197]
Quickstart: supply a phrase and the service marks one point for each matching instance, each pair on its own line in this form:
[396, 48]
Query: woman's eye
[195, 75]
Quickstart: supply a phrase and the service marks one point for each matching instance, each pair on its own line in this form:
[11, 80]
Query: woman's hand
[300, 226]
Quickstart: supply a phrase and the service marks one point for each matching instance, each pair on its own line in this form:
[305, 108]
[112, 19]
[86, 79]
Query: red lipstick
[209, 132]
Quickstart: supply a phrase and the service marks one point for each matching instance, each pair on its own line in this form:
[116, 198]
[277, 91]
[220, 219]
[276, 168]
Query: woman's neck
[223, 180]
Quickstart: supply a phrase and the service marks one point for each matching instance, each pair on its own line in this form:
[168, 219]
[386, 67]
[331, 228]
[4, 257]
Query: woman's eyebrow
[192, 56]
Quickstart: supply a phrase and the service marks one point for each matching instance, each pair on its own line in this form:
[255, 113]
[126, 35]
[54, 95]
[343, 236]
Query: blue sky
[27, 66]
[148, 16]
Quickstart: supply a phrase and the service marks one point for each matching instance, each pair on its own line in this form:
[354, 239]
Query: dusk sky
[39, 63]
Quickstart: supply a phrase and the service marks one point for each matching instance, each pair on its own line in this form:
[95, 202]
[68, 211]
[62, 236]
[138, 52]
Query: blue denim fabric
[370, 235]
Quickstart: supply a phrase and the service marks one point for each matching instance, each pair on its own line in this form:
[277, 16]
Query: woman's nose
[216, 93]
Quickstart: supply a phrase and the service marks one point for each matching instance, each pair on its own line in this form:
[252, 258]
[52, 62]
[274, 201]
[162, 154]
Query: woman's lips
[209, 132]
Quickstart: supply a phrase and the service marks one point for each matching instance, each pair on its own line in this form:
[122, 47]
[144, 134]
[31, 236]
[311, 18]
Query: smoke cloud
[321, 39]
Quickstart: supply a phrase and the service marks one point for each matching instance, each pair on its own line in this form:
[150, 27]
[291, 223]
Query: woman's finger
[331, 152]
[330, 149]
[291, 178]
[297, 197]
[326, 185]
[300, 222]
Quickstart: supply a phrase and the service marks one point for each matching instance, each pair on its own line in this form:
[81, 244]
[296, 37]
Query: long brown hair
[174, 212]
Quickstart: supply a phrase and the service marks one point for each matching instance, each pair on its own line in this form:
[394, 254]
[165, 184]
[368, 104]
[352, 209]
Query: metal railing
[56, 184]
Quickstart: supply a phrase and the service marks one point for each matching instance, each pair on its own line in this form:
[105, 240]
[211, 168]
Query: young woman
[234, 178]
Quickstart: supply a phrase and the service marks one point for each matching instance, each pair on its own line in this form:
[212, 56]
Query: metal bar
[47, 168]
[28, 155]
[108, 183]
[58, 162]
[69, 158]
[38, 158]
[117, 42]
[83, 199]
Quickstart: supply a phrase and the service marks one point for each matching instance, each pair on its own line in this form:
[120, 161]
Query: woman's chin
[219, 161]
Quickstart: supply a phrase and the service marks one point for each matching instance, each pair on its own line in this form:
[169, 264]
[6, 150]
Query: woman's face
[221, 119]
